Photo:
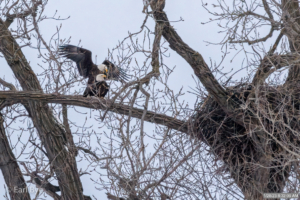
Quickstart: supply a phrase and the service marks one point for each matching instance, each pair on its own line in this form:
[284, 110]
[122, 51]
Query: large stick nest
[259, 157]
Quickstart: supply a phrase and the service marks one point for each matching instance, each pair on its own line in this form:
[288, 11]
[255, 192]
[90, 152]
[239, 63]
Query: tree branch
[196, 61]
[8, 85]
[267, 9]
[92, 153]
[10, 17]
[156, 48]
[43, 183]
[291, 19]
[263, 39]
[20, 97]
[69, 136]
[276, 61]
[113, 197]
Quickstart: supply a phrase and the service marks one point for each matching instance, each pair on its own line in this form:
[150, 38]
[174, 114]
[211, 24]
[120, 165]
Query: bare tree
[240, 140]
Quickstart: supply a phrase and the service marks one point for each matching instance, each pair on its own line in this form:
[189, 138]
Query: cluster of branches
[250, 129]
[48, 140]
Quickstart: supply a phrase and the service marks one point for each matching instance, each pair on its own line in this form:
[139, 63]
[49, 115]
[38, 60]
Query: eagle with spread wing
[96, 74]
[88, 69]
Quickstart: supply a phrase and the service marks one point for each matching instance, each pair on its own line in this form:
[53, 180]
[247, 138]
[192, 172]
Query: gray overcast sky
[100, 24]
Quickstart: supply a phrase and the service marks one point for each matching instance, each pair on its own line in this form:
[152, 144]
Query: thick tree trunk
[10, 169]
[50, 132]
[291, 16]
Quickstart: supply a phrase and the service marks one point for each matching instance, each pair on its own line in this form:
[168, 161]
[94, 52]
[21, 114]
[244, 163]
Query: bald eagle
[99, 88]
[88, 69]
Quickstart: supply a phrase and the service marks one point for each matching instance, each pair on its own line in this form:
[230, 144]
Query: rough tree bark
[291, 16]
[10, 168]
[51, 133]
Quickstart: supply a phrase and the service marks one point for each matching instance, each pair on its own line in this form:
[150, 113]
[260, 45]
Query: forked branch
[195, 60]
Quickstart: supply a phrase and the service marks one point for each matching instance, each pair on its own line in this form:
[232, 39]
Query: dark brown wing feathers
[114, 72]
[87, 68]
[81, 56]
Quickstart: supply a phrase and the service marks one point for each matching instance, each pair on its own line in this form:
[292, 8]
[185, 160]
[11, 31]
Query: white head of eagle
[103, 68]
[100, 77]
